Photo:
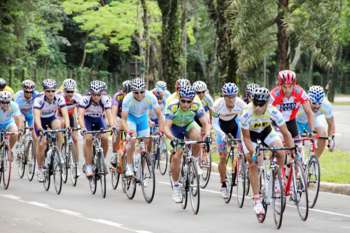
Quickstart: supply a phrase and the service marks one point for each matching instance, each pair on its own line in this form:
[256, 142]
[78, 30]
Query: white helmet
[96, 86]
[199, 86]
[28, 84]
[69, 85]
[5, 96]
[137, 84]
[49, 84]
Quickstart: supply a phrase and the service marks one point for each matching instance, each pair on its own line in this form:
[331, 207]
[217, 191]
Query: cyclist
[10, 117]
[202, 92]
[226, 112]
[256, 124]
[92, 109]
[117, 102]
[249, 90]
[180, 122]
[163, 86]
[72, 99]
[5, 87]
[45, 109]
[288, 97]
[159, 92]
[321, 108]
[135, 117]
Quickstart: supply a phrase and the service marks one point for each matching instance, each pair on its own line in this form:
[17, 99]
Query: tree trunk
[282, 36]
[170, 41]
[184, 38]
[145, 36]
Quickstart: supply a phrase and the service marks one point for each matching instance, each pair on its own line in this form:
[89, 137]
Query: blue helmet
[316, 94]
[187, 92]
[229, 89]
[161, 85]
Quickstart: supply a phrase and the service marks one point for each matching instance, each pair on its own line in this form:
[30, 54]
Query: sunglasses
[229, 96]
[69, 92]
[28, 92]
[185, 101]
[50, 91]
[96, 94]
[5, 102]
[200, 92]
[259, 103]
[138, 92]
[318, 104]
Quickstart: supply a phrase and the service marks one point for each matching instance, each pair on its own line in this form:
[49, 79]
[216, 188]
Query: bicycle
[143, 172]
[117, 170]
[25, 153]
[311, 165]
[98, 162]
[5, 163]
[159, 151]
[205, 164]
[53, 160]
[189, 178]
[271, 188]
[236, 171]
[70, 164]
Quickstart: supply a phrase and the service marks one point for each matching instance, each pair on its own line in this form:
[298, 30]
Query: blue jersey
[25, 105]
[7, 117]
[139, 108]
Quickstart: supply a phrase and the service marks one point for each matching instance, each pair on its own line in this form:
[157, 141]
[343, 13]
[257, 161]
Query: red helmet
[286, 77]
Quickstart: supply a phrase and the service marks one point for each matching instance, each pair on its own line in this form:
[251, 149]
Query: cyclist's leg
[143, 129]
[41, 145]
[57, 124]
[321, 129]
[253, 170]
[193, 132]
[273, 140]
[221, 147]
[12, 127]
[179, 133]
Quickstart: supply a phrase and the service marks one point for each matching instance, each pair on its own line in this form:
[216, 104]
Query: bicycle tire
[115, 176]
[278, 199]
[184, 185]
[194, 187]
[47, 173]
[205, 177]
[73, 171]
[241, 179]
[300, 191]
[31, 160]
[163, 157]
[66, 166]
[147, 180]
[7, 168]
[57, 172]
[313, 171]
[21, 164]
[101, 173]
[230, 178]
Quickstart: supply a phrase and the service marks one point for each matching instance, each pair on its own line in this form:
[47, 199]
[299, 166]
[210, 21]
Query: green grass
[346, 103]
[335, 166]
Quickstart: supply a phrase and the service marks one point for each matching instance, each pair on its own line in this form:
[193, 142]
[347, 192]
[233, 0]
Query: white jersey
[93, 109]
[48, 109]
[139, 108]
[325, 109]
[257, 123]
[222, 112]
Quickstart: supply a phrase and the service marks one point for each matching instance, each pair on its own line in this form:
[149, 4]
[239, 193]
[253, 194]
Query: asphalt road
[342, 124]
[27, 208]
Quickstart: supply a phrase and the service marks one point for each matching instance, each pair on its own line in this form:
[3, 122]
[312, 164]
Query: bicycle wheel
[115, 175]
[184, 185]
[47, 172]
[101, 173]
[313, 176]
[230, 177]
[66, 159]
[241, 179]
[21, 163]
[57, 171]
[130, 187]
[300, 194]
[163, 157]
[278, 199]
[31, 159]
[73, 171]
[247, 183]
[205, 164]
[148, 179]
[194, 188]
[7, 168]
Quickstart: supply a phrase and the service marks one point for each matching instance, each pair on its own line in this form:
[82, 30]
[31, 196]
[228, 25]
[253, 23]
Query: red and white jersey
[289, 107]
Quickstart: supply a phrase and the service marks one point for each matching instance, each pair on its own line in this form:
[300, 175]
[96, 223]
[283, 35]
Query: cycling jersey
[257, 123]
[72, 103]
[161, 103]
[117, 100]
[6, 118]
[48, 109]
[207, 102]
[95, 110]
[175, 96]
[139, 108]
[24, 104]
[167, 94]
[288, 106]
[183, 118]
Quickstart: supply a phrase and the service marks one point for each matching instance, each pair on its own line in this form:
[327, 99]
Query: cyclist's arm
[114, 109]
[331, 126]
[124, 124]
[205, 125]
[286, 135]
[81, 113]
[37, 119]
[217, 127]
[110, 118]
[309, 114]
[247, 141]
[160, 118]
[65, 116]
[167, 129]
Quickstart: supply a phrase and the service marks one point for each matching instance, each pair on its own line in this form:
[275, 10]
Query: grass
[346, 103]
[335, 166]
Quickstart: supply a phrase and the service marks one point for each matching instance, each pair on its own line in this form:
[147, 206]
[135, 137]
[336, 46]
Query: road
[27, 208]
[342, 124]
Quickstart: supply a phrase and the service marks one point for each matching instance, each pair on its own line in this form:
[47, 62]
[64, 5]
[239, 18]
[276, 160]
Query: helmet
[96, 86]
[126, 86]
[229, 89]
[249, 90]
[287, 77]
[5, 96]
[261, 95]
[104, 86]
[187, 92]
[199, 86]
[3, 83]
[137, 84]
[49, 84]
[161, 86]
[69, 84]
[316, 94]
[181, 83]
[28, 85]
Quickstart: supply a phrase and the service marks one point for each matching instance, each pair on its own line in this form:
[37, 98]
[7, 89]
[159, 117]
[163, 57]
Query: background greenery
[212, 40]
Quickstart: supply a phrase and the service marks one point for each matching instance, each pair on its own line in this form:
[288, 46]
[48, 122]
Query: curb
[324, 186]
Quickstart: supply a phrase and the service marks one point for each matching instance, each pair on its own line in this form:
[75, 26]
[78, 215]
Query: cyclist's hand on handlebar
[83, 131]
[174, 142]
[331, 143]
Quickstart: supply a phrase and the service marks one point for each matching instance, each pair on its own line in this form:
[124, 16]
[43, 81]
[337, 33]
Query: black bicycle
[5, 162]
[98, 162]
[70, 168]
[159, 151]
[53, 160]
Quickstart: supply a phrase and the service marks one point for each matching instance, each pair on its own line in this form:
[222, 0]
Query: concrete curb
[325, 186]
